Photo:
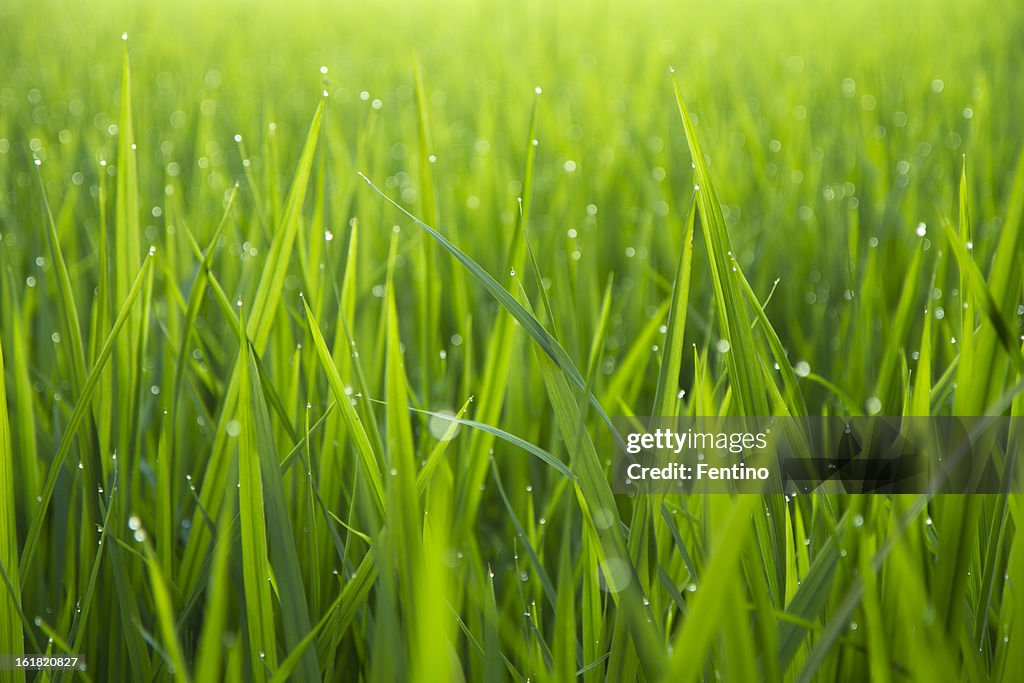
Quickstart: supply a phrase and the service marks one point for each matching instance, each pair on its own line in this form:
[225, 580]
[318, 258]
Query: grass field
[232, 358]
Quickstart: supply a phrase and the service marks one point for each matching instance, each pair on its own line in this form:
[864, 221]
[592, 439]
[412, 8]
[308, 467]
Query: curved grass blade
[533, 327]
[516, 441]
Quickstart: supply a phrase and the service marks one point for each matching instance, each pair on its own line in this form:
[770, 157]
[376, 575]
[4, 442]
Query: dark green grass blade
[79, 413]
[283, 554]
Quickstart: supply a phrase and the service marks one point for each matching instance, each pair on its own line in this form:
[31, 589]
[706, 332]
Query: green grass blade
[165, 617]
[256, 569]
[533, 327]
[729, 300]
[665, 395]
[367, 457]
[11, 635]
[79, 414]
[283, 555]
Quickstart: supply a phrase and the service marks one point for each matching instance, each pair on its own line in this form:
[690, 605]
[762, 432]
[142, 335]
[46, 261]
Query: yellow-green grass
[309, 375]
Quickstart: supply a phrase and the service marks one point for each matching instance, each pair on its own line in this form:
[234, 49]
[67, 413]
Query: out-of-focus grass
[229, 363]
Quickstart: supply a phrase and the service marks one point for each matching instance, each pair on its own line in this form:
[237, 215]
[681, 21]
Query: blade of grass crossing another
[164, 614]
[598, 503]
[75, 421]
[283, 556]
[256, 571]
[741, 360]
[264, 307]
[533, 327]
[367, 458]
